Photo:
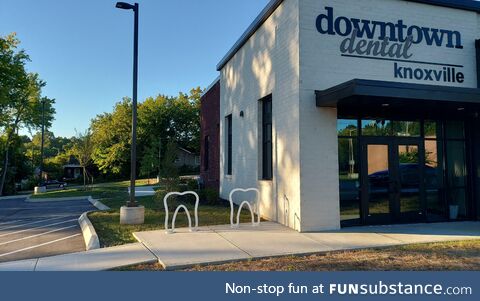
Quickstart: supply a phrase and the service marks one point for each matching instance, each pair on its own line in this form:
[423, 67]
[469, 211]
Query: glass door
[392, 180]
[377, 182]
[409, 185]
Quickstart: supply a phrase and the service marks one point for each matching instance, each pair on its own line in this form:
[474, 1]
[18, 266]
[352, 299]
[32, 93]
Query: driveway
[32, 230]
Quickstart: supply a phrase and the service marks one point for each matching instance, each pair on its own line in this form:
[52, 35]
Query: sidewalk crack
[230, 242]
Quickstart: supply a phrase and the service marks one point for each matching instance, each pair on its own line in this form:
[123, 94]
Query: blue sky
[83, 49]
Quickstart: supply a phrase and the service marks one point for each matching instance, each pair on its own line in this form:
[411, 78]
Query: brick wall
[210, 127]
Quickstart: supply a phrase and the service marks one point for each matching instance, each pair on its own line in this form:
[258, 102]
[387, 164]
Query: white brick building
[374, 106]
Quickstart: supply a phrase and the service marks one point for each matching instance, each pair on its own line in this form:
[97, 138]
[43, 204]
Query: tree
[20, 98]
[169, 172]
[111, 137]
[82, 150]
[160, 119]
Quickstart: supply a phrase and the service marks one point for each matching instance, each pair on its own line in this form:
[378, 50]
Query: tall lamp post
[41, 188]
[129, 214]
[43, 142]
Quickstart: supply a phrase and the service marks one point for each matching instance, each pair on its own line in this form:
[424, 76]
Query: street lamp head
[124, 5]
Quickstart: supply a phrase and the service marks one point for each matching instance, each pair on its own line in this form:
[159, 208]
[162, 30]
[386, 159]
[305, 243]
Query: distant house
[72, 170]
[186, 158]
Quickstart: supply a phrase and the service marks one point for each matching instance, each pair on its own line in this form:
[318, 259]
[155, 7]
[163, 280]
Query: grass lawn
[98, 191]
[445, 256]
[115, 195]
[111, 233]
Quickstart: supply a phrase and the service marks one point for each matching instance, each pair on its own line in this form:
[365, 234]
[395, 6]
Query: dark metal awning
[361, 95]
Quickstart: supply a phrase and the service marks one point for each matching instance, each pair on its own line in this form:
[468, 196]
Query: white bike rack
[172, 230]
[256, 207]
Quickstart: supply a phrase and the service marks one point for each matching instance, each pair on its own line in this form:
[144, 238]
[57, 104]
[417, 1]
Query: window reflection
[376, 128]
[349, 179]
[347, 127]
[406, 128]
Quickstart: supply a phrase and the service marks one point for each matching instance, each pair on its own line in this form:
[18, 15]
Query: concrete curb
[89, 234]
[99, 205]
[46, 200]
[14, 197]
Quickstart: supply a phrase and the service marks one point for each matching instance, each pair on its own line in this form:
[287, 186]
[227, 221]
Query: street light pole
[133, 158]
[42, 143]
[133, 202]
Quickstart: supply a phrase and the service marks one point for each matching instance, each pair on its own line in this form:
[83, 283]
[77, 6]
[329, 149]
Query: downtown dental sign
[396, 43]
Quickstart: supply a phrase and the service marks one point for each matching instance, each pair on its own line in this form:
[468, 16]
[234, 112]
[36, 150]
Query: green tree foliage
[161, 120]
[112, 140]
[20, 99]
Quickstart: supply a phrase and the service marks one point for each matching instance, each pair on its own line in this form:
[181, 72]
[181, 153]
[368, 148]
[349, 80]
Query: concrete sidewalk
[219, 244]
[95, 260]
[143, 190]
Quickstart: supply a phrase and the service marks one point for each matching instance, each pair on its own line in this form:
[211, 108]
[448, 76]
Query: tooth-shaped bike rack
[256, 207]
[165, 203]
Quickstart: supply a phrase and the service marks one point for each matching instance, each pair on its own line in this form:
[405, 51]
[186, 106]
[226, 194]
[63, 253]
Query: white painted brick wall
[267, 63]
[288, 57]
[322, 67]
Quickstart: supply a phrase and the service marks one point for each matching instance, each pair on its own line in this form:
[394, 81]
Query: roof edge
[211, 86]
[256, 24]
[274, 4]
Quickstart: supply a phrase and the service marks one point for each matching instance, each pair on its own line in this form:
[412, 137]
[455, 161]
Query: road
[31, 230]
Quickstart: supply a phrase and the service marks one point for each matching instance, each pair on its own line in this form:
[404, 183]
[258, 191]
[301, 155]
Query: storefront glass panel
[349, 171]
[376, 128]
[409, 179]
[434, 187]
[378, 181]
[406, 128]
[403, 171]
[456, 179]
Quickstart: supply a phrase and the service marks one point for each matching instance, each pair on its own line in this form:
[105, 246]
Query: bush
[209, 196]
[192, 185]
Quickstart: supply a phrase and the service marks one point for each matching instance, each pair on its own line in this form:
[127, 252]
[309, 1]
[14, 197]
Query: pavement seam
[36, 263]
[389, 237]
[324, 244]
[230, 242]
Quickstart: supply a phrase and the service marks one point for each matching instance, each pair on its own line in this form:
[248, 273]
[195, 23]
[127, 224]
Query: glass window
[376, 128]
[455, 130]
[457, 179]
[349, 179]
[267, 145]
[433, 130]
[347, 127]
[456, 166]
[406, 128]
[434, 187]
[228, 153]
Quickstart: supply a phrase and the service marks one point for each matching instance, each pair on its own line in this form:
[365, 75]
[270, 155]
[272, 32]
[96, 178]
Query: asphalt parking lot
[32, 230]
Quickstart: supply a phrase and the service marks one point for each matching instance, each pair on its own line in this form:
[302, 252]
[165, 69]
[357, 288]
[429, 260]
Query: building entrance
[402, 171]
[392, 176]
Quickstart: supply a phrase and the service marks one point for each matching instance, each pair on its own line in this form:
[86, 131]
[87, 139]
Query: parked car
[409, 176]
[55, 184]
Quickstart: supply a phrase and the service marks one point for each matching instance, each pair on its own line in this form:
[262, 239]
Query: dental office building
[348, 113]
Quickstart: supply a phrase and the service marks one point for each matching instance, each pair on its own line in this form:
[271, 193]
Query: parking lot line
[37, 235]
[10, 222]
[40, 245]
[39, 227]
[31, 223]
